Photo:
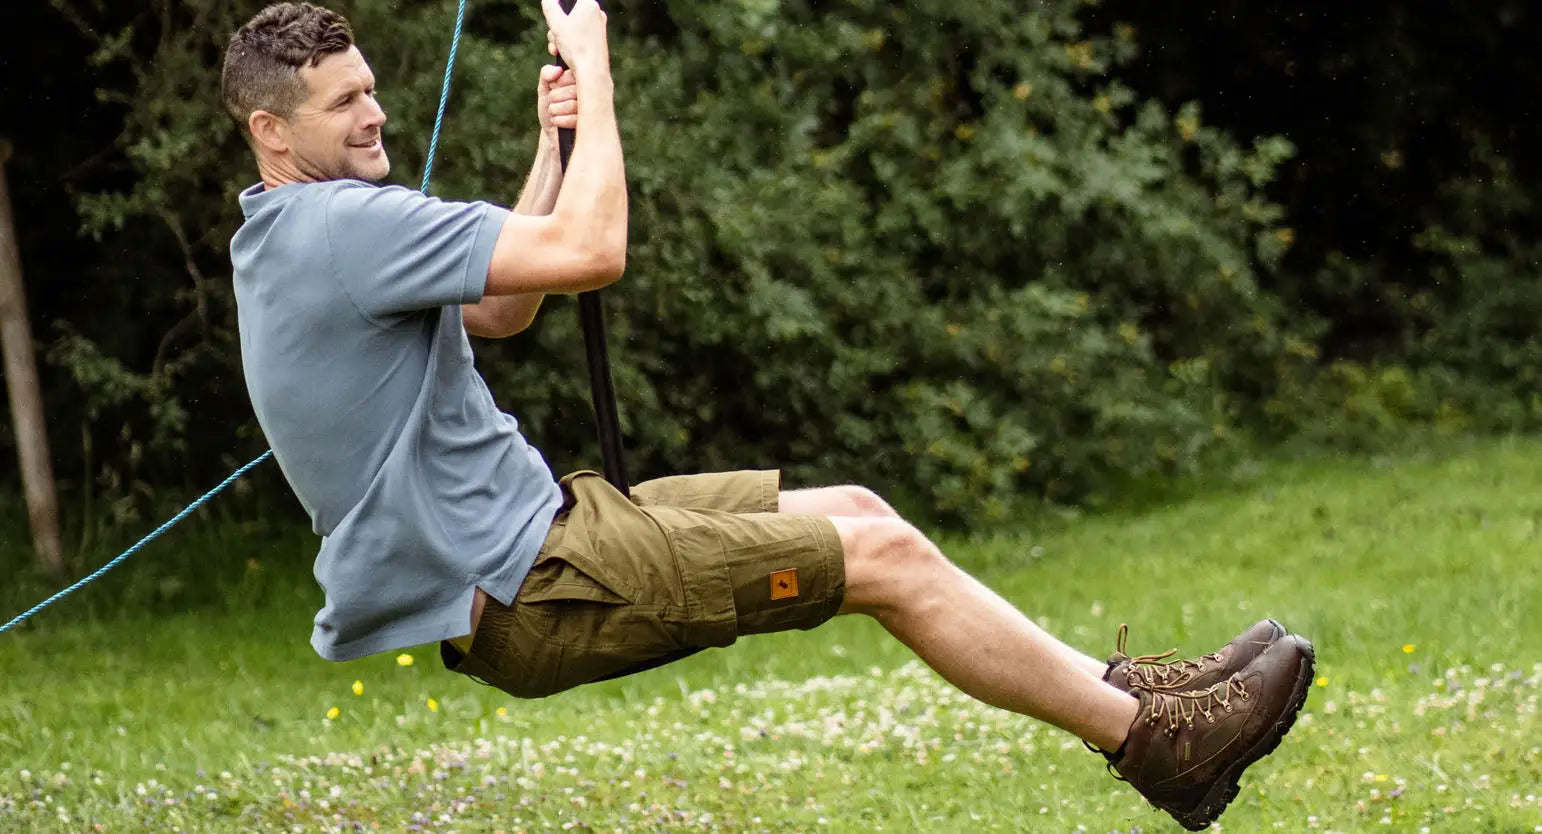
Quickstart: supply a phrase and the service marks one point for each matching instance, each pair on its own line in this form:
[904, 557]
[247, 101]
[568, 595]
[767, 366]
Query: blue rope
[428, 168]
[131, 551]
[444, 95]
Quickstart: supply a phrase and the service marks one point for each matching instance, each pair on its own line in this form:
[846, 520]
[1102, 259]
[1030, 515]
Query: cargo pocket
[711, 619]
[565, 575]
[572, 602]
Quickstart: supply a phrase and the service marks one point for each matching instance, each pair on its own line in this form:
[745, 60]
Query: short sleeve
[395, 250]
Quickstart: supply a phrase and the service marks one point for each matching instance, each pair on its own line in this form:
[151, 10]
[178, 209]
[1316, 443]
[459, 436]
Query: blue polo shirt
[356, 359]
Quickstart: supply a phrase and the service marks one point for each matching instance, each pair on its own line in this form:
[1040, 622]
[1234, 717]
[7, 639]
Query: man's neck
[275, 173]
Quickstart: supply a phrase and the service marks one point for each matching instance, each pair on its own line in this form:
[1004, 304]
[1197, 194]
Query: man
[440, 523]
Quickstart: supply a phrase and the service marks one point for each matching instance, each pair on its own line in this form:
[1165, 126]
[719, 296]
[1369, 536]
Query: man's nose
[375, 115]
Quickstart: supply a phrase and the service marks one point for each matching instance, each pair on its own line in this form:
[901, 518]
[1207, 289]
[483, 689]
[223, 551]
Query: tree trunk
[31, 433]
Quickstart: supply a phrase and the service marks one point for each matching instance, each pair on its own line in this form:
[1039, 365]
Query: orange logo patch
[784, 584]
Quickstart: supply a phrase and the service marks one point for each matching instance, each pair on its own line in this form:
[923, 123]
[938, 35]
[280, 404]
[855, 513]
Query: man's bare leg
[861, 502]
[846, 500]
[971, 636]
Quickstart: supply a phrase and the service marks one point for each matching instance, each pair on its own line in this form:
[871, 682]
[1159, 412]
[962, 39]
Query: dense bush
[1413, 195]
[1467, 354]
[928, 246]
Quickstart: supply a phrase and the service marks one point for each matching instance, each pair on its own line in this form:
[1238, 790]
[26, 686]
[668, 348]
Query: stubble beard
[347, 168]
[350, 170]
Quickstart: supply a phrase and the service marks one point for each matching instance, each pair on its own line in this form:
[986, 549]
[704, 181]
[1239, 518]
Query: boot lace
[1179, 709]
[1150, 670]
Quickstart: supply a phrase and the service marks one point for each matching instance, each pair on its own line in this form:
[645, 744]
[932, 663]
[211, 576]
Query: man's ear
[268, 131]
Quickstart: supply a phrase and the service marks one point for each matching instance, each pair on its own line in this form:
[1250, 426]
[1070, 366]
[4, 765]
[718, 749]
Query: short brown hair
[263, 60]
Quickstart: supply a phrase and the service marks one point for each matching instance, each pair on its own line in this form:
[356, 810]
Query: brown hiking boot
[1148, 671]
[1186, 750]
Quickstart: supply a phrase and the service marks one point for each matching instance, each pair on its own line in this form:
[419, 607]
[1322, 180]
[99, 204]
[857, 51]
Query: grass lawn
[1418, 578]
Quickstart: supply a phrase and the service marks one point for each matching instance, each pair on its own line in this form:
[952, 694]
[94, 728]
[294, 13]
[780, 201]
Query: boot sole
[1226, 785]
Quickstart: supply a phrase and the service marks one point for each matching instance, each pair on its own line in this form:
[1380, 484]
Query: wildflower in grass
[358, 687]
[404, 659]
[433, 706]
[1408, 648]
[503, 713]
[1322, 681]
[334, 712]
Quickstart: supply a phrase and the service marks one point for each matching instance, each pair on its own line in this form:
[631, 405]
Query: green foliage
[1349, 405]
[1479, 319]
[1468, 354]
[1391, 106]
[930, 247]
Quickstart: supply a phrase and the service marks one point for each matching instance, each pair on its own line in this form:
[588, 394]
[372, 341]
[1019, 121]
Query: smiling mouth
[373, 144]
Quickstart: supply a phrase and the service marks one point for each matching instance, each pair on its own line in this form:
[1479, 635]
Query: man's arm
[581, 244]
[500, 316]
[539, 196]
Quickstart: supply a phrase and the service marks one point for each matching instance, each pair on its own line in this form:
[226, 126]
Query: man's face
[335, 133]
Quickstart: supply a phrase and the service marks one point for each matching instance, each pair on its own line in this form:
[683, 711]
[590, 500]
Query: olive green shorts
[625, 584]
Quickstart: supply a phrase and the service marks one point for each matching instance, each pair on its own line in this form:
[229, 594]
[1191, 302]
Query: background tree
[21, 384]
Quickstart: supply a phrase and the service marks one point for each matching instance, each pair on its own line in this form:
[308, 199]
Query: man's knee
[845, 500]
[866, 503]
[887, 559]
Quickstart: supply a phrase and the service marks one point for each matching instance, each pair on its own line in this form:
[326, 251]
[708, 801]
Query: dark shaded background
[1384, 102]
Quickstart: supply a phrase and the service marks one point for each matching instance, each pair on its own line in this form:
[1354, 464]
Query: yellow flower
[334, 712]
[1323, 681]
[404, 660]
[1408, 648]
[358, 687]
[502, 713]
[1381, 777]
[433, 706]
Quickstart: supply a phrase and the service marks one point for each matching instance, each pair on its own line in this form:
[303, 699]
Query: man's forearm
[500, 316]
[544, 182]
[593, 199]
